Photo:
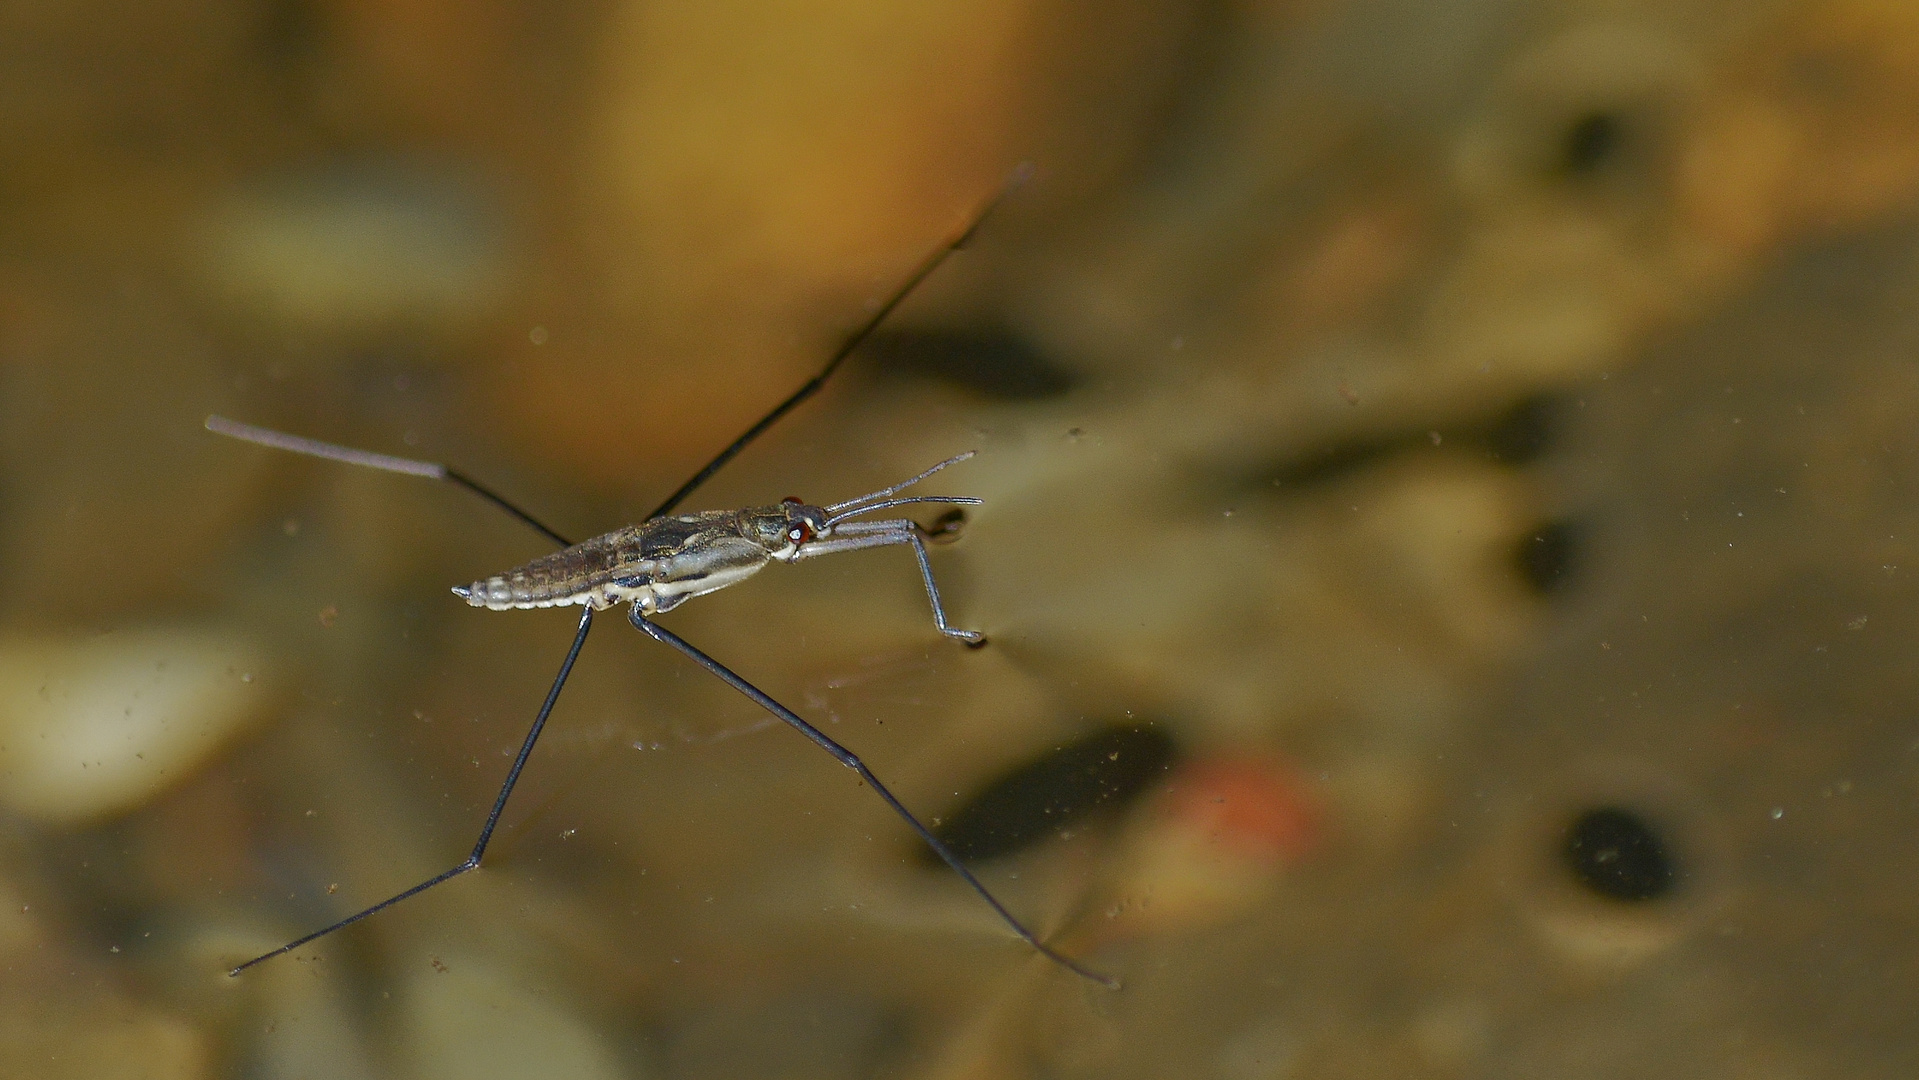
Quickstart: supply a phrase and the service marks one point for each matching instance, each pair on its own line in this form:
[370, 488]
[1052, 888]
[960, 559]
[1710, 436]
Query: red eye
[799, 532]
[794, 500]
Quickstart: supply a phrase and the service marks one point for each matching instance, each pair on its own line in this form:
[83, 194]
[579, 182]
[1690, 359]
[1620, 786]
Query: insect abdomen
[581, 574]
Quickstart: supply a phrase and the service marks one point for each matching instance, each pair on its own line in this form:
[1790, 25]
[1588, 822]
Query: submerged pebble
[358, 247]
[65, 1014]
[91, 726]
[467, 1020]
[1219, 837]
[306, 1027]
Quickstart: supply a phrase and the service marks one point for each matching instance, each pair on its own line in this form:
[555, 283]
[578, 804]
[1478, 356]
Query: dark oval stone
[1099, 772]
[1616, 854]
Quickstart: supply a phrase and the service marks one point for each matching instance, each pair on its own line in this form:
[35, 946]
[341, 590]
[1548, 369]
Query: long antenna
[859, 337]
[875, 496]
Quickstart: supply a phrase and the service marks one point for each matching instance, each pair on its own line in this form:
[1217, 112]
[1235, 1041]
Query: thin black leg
[847, 348]
[472, 861]
[353, 455]
[434, 470]
[850, 760]
[455, 476]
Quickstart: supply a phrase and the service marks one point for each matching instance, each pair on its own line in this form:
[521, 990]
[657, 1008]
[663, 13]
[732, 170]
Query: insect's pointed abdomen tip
[465, 592]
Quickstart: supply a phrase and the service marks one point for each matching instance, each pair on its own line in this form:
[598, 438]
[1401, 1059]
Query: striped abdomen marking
[569, 576]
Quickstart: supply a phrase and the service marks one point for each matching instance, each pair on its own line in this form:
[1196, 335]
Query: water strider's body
[660, 564]
[657, 565]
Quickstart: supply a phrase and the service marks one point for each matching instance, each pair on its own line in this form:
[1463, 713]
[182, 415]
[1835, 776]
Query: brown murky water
[1448, 474]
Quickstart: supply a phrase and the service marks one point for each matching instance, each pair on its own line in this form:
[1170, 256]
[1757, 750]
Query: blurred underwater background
[1446, 470]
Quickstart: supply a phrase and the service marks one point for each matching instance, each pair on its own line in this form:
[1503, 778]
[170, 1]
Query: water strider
[662, 562]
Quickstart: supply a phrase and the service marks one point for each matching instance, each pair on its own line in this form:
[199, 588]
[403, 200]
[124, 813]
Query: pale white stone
[307, 1027]
[466, 1020]
[94, 725]
[357, 248]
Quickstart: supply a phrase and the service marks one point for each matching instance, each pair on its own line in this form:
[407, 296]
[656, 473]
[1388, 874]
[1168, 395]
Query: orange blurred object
[1253, 808]
[1214, 844]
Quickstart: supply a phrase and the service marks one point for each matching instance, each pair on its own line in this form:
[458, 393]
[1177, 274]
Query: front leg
[854, 535]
